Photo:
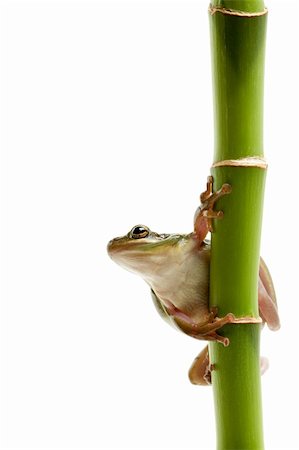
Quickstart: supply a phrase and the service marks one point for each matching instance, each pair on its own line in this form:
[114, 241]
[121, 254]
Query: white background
[107, 122]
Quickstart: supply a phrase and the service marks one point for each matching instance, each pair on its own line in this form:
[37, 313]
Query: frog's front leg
[202, 225]
[205, 212]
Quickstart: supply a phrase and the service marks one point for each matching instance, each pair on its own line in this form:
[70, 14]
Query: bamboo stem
[238, 45]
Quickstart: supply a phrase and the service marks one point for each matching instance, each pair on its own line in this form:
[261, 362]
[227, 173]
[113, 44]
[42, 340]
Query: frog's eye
[139, 232]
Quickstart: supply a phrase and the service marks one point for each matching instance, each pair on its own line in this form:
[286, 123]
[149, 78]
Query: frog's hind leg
[264, 364]
[267, 298]
[200, 371]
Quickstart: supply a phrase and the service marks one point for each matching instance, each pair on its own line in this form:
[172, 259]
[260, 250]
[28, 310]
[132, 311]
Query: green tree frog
[176, 267]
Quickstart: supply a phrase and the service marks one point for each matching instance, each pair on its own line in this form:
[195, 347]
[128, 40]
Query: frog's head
[143, 251]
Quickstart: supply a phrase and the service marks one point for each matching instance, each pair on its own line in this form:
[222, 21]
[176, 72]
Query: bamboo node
[247, 319]
[232, 12]
[248, 161]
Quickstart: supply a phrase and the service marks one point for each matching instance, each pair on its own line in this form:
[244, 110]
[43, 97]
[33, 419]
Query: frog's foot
[207, 330]
[205, 213]
[267, 298]
[264, 364]
[201, 369]
[204, 330]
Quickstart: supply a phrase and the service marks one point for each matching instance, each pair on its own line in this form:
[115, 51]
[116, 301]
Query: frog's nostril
[114, 245]
[110, 245]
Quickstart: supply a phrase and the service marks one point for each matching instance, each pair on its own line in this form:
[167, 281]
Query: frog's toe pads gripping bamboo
[206, 212]
[207, 330]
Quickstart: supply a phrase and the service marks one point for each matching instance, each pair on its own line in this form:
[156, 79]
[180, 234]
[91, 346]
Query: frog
[176, 268]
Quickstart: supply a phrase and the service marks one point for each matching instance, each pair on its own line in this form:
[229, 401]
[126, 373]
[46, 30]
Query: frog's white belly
[183, 281]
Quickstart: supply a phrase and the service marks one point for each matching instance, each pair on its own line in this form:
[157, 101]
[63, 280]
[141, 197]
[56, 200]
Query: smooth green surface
[236, 241]
[240, 5]
[233, 288]
[238, 408]
[238, 46]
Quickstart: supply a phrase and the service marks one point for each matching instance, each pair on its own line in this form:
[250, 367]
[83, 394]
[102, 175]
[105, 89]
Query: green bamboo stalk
[238, 46]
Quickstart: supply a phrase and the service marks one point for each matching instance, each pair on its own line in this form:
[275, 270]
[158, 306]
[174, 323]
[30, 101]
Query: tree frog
[176, 267]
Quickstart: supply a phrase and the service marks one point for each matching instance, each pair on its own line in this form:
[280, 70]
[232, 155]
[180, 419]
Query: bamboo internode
[238, 31]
